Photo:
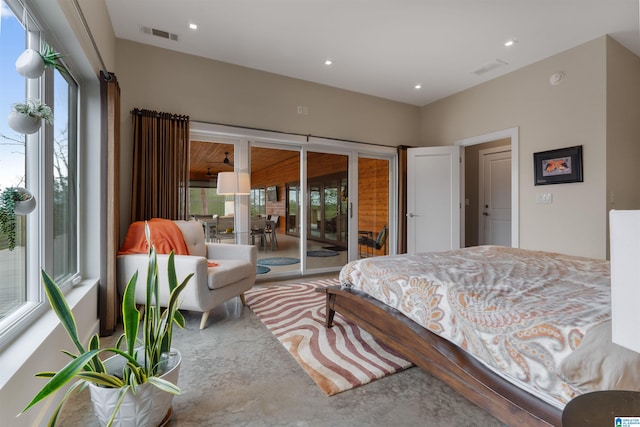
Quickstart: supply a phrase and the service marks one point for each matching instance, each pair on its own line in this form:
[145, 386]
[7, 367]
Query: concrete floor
[236, 373]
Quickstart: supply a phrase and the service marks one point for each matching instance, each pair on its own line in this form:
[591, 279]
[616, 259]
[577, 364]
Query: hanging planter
[14, 201]
[26, 203]
[27, 118]
[32, 63]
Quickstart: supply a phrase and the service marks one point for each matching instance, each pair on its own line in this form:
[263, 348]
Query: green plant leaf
[130, 313]
[101, 379]
[63, 376]
[171, 272]
[96, 363]
[164, 385]
[62, 310]
[179, 319]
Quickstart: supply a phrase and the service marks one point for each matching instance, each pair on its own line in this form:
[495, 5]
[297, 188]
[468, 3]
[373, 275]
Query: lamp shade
[624, 229]
[233, 183]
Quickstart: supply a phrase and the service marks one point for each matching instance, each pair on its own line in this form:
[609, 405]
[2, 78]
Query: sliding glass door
[272, 171]
[323, 202]
[327, 219]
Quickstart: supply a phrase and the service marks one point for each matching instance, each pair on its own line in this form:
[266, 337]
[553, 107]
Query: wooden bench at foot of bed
[442, 359]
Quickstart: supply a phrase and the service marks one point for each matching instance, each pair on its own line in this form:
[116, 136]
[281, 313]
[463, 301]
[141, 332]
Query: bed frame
[441, 359]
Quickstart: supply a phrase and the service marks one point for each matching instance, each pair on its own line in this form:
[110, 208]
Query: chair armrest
[229, 251]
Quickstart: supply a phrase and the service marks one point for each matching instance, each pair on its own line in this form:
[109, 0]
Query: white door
[495, 197]
[433, 199]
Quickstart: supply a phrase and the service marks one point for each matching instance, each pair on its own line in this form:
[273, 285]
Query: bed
[494, 323]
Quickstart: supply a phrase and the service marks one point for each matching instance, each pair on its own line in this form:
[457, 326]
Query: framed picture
[558, 166]
[272, 194]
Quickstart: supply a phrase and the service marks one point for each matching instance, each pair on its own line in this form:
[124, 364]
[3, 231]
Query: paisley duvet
[518, 311]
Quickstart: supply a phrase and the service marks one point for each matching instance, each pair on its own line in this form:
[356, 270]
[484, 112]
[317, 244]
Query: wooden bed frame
[440, 358]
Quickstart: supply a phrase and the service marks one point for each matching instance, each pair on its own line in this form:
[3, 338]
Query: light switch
[544, 198]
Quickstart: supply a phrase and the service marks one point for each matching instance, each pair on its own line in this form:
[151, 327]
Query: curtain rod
[103, 67]
[296, 134]
[157, 114]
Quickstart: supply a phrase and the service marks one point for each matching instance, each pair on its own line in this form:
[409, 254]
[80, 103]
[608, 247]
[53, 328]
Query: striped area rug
[337, 359]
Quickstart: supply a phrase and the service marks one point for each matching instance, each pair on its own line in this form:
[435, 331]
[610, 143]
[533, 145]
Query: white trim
[511, 133]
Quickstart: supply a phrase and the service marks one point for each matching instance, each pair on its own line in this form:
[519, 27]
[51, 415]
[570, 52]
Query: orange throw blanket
[165, 237]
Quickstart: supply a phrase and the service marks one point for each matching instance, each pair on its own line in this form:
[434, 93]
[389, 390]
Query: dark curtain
[110, 129]
[402, 199]
[160, 165]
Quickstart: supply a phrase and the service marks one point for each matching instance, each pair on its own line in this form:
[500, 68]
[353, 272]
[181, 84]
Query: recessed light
[418, 86]
[510, 42]
[328, 62]
[193, 26]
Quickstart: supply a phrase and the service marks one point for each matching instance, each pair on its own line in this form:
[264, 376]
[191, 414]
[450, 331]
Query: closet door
[433, 199]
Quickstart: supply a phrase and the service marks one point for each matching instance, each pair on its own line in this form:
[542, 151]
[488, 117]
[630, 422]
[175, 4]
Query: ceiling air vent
[159, 33]
[489, 67]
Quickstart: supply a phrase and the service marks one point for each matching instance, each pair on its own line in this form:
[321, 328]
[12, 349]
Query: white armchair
[234, 273]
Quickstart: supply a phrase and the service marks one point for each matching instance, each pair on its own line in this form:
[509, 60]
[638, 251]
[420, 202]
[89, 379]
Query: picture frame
[559, 166]
[272, 194]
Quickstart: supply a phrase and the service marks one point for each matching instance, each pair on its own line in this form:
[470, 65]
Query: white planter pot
[25, 207]
[24, 124]
[30, 64]
[149, 407]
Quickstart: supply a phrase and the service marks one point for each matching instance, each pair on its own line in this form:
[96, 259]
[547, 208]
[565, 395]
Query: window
[64, 183]
[205, 201]
[46, 164]
[257, 201]
[13, 291]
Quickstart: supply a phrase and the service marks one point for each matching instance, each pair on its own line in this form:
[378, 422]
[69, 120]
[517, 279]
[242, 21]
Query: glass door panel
[373, 207]
[327, 223]
[293, 209]
[278, 172]
[315, 212]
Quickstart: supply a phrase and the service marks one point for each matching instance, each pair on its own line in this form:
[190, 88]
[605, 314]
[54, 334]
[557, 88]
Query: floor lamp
[232, 184]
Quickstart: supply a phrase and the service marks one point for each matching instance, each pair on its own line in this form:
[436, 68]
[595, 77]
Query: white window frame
[39, 178]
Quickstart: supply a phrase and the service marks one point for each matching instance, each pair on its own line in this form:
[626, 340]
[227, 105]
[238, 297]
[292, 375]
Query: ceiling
[206, 159]
[379, 47]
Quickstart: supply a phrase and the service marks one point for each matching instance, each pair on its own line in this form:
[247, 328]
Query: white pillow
[599, 364]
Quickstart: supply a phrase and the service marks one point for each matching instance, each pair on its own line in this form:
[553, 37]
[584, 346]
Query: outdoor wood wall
[373, 200]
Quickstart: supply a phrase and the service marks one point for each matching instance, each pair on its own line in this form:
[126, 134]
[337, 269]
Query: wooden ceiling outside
[207, 159]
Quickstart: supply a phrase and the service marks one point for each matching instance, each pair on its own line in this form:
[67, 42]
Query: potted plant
[14, 201]
[27, 117]
[32, 63]
[135, 373]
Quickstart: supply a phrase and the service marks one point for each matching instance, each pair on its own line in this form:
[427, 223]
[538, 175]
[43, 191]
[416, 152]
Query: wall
[548, 117]
[217, 92]
[623, 128]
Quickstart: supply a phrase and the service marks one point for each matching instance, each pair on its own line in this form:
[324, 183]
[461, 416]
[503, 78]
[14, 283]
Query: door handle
[411, 215]
[485, 213]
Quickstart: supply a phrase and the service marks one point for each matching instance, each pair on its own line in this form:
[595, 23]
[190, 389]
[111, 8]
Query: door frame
[511, 133]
